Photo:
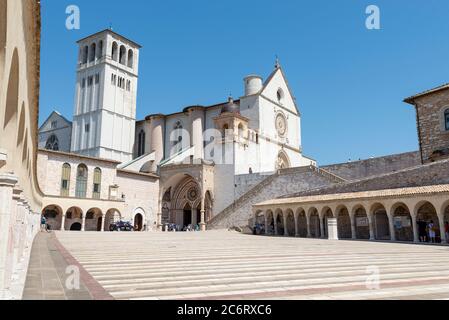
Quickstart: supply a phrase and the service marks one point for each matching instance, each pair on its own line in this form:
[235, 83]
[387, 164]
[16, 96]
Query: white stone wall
[50, 173]
[141, 192]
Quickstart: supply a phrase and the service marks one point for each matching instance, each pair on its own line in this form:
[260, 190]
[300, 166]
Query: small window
[87, 127]
[65, 180]
[280, 95]
[97, 183]
[83, 83]
[90, 81]
[446, 119]
[97, 78]
[54, 124]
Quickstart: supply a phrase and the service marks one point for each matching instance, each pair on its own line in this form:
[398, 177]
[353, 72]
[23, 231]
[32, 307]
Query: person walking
[432, 231]
[43, 223]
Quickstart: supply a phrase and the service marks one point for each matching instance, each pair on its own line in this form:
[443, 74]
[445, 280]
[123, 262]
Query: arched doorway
[344, 224]
[302, 223]
[361, 222]
[315, 231]
[53, 214]
[290, 223]
[112, 216]
[76, 226]
[381, 222]
[279, 223]
[138, 222]
[73, 215]
[427, 212]
[187, 215]
[403, 225]
[93, 218]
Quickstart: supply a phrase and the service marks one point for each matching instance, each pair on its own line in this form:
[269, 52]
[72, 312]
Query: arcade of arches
[386, 218]
[74, 219]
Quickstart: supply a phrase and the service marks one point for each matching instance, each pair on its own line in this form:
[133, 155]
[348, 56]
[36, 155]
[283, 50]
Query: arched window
[97, 184]
[114, 51]
[52, 143]
[130, 58]
[81, 181]
[92, 53]
[65, 180]
[100, 50]
[122, 55]
[141, 143]
[446, 119]
[241, 130]
[178, 132]
[85, 54]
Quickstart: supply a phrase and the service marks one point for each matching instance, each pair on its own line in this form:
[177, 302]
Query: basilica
[183, 168]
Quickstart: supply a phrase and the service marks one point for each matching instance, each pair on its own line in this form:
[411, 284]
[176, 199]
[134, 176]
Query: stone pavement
[46, 275]
[227, 265]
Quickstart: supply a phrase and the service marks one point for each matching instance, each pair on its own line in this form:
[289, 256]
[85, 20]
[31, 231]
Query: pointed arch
[130, 58]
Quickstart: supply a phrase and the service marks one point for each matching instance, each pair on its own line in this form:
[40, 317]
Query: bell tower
[105, 97]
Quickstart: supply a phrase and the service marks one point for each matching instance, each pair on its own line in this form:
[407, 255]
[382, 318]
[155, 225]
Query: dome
[230, 107]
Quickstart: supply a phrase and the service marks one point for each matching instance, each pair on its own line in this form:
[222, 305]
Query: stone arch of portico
[279, 222]
[326, 214]
[54, 215]
[314, 226]
[380, 221]
[139, 219]
[73, 216]
[426, 210]
[112, 215]
[301, 221]
[402, 222]
[93, 221]
[343, 222]
[290, 222]
[360, 222]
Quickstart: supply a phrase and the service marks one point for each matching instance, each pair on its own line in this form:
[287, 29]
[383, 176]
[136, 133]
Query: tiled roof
[424, 190]
[412, 98]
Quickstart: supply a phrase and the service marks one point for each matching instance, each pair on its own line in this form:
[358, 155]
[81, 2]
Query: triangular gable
[271, 86]
[55, 115]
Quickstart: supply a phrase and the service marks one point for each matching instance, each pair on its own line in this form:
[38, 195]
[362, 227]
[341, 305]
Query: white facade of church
[201, 159]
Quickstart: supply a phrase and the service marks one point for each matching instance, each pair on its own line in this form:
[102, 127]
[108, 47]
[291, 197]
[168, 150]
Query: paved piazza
[228, 265]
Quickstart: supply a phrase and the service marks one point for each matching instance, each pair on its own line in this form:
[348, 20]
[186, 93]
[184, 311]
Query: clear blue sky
[349, 81]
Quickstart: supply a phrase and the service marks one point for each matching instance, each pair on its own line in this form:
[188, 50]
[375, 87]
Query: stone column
[309, 232]
[7, 183]
[371, 227]
[159, 221]
[442, 233]
[63, 222]
[296, 226]
[103, 218]
[284, 216]
[203, 216]
[415, 229]
[321, 227]
[353, 228]
[392, 228]
[83, 225]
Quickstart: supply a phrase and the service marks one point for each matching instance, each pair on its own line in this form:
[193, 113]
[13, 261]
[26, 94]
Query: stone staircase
[281, 183]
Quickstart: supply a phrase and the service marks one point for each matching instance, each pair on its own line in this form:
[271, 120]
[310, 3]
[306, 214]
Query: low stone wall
[281, 183]
[424, 175]
[376, 166]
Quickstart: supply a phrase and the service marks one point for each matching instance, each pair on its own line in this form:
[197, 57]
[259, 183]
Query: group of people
[427, 231]
[171, 227]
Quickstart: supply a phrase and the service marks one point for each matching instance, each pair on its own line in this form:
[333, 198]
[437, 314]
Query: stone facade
[432, 124]
[121, 194]
[20, 196]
